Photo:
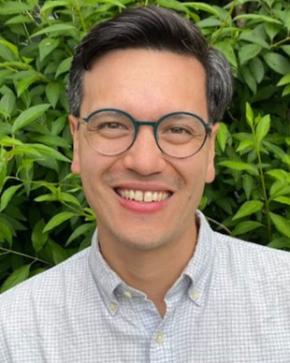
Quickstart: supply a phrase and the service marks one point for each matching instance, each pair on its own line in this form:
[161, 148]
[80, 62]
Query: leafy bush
[43, 214]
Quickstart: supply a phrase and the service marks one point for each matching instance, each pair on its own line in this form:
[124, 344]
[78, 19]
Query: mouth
[143, 196]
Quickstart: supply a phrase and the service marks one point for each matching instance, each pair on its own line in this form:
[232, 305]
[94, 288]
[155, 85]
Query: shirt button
[113, 307]
[159, 337]
[195, 295]
[127, 294]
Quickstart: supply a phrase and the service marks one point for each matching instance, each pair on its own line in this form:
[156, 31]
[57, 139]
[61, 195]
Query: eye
[111, 125]
[179, 130]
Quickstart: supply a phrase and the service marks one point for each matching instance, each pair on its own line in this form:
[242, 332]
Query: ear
[75, 165]
[210, 175]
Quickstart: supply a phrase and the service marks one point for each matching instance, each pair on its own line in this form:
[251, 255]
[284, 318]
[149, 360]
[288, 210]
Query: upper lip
[144, 186]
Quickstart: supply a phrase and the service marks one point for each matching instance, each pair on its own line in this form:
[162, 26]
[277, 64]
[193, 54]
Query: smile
[143, 196]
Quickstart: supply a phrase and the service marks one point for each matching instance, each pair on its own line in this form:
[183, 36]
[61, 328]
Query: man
[157, 284]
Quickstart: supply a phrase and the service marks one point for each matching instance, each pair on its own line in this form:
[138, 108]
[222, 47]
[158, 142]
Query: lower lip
[142, 207]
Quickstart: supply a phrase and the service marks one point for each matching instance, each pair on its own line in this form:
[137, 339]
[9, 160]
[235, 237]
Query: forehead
[159, 80]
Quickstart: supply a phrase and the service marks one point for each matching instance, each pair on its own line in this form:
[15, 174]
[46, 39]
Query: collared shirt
[230, 305]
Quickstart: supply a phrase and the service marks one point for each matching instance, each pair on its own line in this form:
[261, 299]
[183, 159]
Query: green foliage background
[43, 214]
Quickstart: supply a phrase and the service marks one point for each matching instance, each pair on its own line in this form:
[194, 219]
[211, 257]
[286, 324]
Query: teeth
[141, 196]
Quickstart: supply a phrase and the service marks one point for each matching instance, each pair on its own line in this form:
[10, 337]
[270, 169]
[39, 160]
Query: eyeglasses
[111, 132]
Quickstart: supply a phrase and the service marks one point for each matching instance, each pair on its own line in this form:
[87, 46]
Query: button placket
[159, 337]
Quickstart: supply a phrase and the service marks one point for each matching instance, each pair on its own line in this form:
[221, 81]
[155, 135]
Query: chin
[140, 242]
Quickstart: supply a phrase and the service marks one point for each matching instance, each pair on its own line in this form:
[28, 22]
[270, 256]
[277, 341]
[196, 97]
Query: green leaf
[49, 5]
[8, 195]
[63, 67]
[277, 62]
[258, 18]
[245, 227]
[3, 173]
[222, 136]
[83, 229]
[46, 46]
[249, 115]
[14, 7]
[46, 198]
[57, 220]
[248, 185]
[5, 53]
[203, 7]
[19, 19]
[278, 174]
[208, 22]
[282, 199]
[284, 15]
[248, 52]
[286, 159]
[28, 78]
[240, 166]
[10, 141]
[280, 243]
[69, 198]
[263, 128]
[173, 4]
[56, 28]
[7, 103]
[6, 233]
[279, 187]
[51, 140]
[17, 276]
[38, 237]
[282, 224]
[11, 47]
[59, 254]
[255, 35]
[272, 30]
[245, 145]
[249, 78]
[248, 208]
[286, 91]
[28, 116]
[226, 48]
[52, 91]
[286, 49]
[49, 152]
[257, 69]
[284, 80]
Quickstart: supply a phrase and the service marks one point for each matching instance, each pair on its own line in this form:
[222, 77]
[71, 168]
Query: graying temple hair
[152, 28]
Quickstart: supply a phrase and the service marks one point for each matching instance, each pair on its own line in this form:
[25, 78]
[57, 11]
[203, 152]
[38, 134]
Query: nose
[145, 157]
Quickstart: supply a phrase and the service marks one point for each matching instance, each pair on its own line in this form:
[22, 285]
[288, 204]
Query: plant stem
[222, 226]
[7, 250]
[265, 196]
[280, 42]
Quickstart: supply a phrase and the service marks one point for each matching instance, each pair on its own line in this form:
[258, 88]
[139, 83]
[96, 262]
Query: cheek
[210, 170]
[198, 172]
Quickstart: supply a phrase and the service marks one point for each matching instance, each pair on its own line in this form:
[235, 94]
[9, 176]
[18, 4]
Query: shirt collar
[105, 278]
[198, 270]
[200, 267]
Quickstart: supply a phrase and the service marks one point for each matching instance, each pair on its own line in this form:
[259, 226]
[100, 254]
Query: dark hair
[152, 28]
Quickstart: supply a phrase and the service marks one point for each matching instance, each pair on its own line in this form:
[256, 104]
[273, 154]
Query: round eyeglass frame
[154, 124]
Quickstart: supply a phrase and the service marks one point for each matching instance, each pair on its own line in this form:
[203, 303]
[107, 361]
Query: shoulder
[242, 256]
[239, 247]
[47, 286]
[252, 261]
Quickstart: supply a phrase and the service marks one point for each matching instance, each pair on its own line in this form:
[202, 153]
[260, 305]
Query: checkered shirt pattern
[230, 305]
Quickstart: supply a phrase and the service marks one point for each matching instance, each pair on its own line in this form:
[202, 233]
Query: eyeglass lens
[113, 132]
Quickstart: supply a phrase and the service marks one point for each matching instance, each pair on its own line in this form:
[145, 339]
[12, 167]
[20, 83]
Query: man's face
[147, 84]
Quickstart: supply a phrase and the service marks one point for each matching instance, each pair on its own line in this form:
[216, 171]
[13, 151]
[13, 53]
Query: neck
[151, 271]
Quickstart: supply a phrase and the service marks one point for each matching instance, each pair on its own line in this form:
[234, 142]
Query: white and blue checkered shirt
[231, 305]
